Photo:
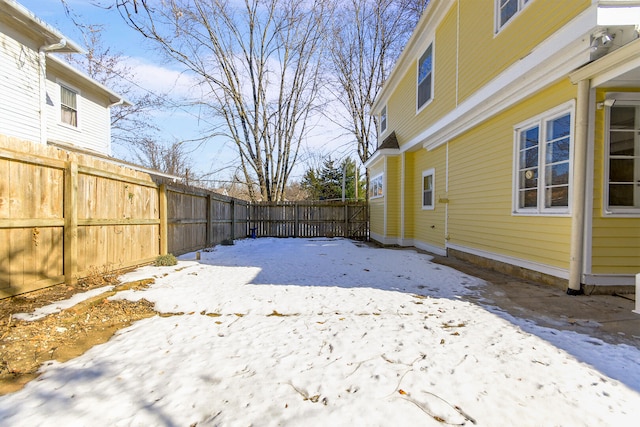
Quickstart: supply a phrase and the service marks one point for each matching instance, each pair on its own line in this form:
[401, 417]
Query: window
[383, 120]
[68, 106]
[507, 9]
[428, 189]
[375, 186]
[543, 165]
[623, 158]
[425, 77]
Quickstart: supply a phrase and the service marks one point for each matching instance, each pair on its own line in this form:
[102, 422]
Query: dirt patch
[27, 345]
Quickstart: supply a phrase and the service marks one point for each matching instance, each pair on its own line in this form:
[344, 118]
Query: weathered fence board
[63, 214]
[310, 219]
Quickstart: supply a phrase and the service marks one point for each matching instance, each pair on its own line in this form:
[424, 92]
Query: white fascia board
[548, 63]
[614, 15]
[379, 155]
[77, 74]
[24, 16]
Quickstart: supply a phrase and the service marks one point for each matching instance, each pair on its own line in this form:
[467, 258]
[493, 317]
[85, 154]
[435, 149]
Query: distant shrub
[166, 260]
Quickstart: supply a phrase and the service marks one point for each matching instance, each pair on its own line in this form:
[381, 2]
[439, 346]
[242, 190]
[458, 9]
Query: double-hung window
[68, 106]
[383, 120]
[428, 189]
[623, 158]
[543, 165]
[425, 77]
[375, 186]
[507, 9]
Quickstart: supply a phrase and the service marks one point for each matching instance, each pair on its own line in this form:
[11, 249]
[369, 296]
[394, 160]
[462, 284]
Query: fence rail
[310, 219]
[64, 213]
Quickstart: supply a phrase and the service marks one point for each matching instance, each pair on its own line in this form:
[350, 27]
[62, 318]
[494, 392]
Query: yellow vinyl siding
[410, 201]
[376, 206]
[430, 224]
[483, 54]
[481, 189]
[392, 196]
[615, 240]
[402, 103]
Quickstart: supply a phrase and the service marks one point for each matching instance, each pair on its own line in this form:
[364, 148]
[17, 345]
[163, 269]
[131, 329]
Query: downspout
[42, 56]
[579, 186]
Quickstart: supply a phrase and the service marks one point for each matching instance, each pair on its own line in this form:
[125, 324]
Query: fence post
[346, 220]
[296, 220]
[208, 241]
[164, 247]
[233, 219]
[70, 247]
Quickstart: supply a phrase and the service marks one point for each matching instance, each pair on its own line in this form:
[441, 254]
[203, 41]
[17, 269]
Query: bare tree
[368, 36]
[259, 70]
[130, 124]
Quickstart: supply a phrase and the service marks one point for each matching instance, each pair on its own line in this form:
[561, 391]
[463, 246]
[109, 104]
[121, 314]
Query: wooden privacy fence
[66, 215]
[310, 219]
[63, 214]
[198, 219]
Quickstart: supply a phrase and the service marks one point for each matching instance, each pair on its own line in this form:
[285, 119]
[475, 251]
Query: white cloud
[161, 79]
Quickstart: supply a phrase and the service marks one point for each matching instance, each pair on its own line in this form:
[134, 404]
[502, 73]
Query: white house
[42, 98]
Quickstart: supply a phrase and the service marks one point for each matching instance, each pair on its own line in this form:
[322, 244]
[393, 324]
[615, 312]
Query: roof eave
[50, 34]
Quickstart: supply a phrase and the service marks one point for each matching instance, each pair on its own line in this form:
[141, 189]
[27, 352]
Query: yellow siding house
[510, 136]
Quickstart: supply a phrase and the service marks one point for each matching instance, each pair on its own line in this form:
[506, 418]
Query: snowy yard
[319, 332]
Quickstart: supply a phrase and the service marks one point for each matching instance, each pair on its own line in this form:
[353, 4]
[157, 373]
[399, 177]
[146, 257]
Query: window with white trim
[375, 186]
[507, 9]
[622, 189]
[425, 77]
[383, 120]
[68, 106]
[428, 188]
[543, 165]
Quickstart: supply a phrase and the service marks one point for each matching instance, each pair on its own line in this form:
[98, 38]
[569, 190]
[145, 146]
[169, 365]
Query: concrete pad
[606, 317]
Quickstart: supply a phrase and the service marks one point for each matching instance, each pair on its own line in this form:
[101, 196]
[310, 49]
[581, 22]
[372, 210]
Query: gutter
[42, 59]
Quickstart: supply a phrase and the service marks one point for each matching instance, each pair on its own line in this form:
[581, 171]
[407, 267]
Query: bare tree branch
[258, 68]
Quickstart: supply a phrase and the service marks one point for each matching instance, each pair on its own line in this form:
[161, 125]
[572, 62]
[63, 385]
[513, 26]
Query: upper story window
[543, 165]
[428, 189]
[425, 77]
[383, 120]
[375, 186]
[68, 106]
[507, 9]
[623, 158]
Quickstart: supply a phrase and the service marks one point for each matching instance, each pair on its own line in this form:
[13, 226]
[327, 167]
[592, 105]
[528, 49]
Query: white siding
[19, 86]
[93, 131]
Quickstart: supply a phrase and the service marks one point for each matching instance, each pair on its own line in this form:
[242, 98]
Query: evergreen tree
[325, 183]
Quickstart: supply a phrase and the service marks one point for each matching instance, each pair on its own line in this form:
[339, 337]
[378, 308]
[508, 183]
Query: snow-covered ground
[317, 332]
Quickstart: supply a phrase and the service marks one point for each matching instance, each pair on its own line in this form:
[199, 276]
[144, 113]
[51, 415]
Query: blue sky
[156, 76]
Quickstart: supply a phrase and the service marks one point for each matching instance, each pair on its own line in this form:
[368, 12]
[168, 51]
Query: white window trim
[433, 73]
[428, 172]
[371, 183]
[540, 120]
[78, 93]
[496, 15]
[631, 99]
[384, 114]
